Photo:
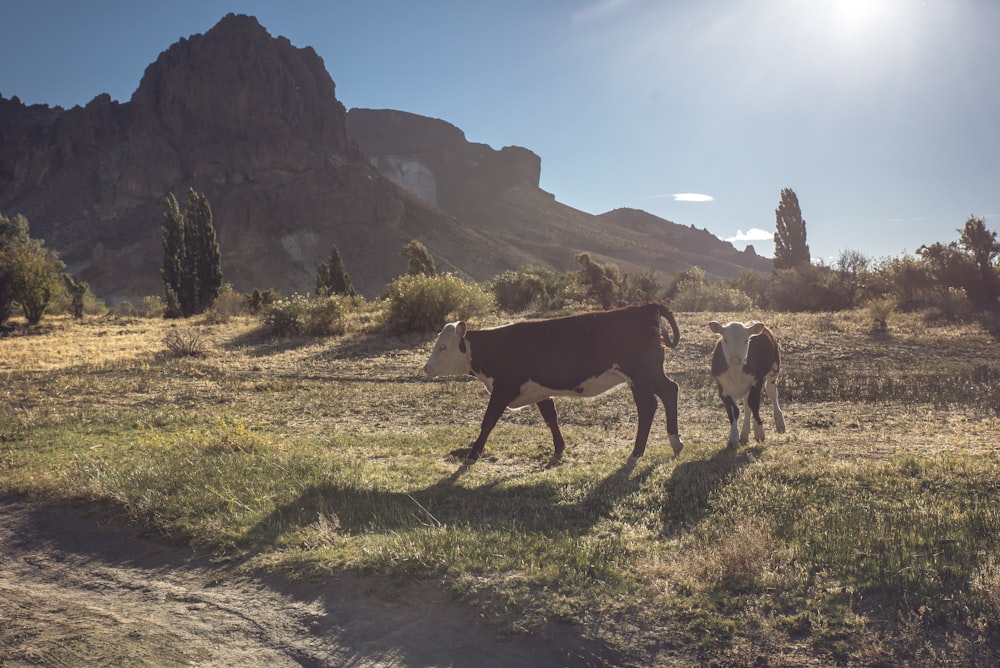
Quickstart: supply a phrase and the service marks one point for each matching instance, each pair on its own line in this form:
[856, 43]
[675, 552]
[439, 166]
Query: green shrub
[421, 303]
[879, 310]
[642, 287]
[257, 300]
[690, 291]
[228, 304]
[153, 307]
[603, 283]
[518, 290]
[806, 288]
[300, 316]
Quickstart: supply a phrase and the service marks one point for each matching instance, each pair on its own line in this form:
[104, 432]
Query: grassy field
[866, 535]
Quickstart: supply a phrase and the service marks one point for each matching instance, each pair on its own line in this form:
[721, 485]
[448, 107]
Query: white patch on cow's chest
[532, 392]
[736, 383]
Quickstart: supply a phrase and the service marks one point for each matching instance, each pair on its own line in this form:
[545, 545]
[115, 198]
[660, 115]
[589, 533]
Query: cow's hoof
[465, 454]
[676, 444]
[732, 445]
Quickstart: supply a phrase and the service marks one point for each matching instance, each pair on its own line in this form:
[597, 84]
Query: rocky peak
[237, 86]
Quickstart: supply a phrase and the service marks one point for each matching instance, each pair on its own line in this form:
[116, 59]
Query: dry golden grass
[331, 453]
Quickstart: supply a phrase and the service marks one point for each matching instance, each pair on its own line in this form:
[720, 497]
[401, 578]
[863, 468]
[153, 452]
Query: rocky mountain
[254, 123]
[497, 192]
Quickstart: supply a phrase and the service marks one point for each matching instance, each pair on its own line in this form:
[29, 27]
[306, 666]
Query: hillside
[254, 123]
[497, 192]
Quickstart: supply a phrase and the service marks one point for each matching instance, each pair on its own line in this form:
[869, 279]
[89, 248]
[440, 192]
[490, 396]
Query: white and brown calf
[575, 356]
[746, 360]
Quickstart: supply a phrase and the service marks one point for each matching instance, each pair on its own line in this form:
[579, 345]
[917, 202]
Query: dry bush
[186, 343]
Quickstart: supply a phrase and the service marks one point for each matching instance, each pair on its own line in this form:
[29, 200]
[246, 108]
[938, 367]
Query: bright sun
[854, 21]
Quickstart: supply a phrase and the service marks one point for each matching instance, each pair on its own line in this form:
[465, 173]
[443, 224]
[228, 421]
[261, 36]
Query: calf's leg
[745, 429]
[779, 417]
[754, 402]
[733, 411]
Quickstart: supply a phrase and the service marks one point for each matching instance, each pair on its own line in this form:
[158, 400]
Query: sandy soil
[80, 589]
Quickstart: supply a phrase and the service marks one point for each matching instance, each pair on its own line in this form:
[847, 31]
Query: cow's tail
[668, 315]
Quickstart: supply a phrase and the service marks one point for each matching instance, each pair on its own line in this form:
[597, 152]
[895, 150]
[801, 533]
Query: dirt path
[77, 589]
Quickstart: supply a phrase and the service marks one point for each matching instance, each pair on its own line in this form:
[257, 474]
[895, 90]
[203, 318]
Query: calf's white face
[736, 340]
[452, 354]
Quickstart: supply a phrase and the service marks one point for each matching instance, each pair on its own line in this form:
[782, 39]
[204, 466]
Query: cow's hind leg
[779, 417]
[667, 391]
[548, 410]
[753, 402]
[645, 403]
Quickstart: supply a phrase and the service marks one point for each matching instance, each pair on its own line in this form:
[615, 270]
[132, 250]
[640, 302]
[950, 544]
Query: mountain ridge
[253, 122]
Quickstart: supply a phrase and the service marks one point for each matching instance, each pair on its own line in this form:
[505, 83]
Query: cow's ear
[715, 327]
[756, 328]
[460, 328]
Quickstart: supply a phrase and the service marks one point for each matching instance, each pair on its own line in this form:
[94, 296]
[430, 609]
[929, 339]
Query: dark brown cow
[575, 356]
[746, 360]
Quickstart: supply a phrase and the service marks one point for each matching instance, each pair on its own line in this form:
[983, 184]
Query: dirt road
[79, 589]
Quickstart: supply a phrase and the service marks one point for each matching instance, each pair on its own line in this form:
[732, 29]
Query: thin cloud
[753, 234]
[690, 197]
[683, 197]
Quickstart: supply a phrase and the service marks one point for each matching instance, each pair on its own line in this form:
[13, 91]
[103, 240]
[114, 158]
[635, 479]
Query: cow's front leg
[733, 411]
[745, 429]
[547, 408]
[499, 400]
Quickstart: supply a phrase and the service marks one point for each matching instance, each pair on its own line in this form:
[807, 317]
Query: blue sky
[882, 115]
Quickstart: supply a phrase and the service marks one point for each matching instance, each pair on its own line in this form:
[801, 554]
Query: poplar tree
[172, 269]
[203, 249]
[192, 262]
[790, 247]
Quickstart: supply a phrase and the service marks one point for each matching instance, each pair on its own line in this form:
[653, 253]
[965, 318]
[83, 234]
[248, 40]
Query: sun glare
[853, 21]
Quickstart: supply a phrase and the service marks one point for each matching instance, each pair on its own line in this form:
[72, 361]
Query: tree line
[957, 277]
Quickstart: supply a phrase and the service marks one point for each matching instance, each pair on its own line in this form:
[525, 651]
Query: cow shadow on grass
[259, 342]
[693, 483]
[533, 505]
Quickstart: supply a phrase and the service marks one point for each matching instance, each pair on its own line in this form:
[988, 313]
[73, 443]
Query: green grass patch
[841, 541]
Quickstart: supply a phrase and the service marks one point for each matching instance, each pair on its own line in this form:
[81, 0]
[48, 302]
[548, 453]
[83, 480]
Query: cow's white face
[736, 340]
[452, 354]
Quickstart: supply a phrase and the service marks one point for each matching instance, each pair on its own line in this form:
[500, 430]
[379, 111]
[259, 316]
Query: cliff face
[497, 193]
[251, 121]
[254, 123]
[433, 159]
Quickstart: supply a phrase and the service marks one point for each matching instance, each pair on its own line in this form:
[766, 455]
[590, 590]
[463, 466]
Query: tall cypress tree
[192, 262]
[205, 259]
[174, 260]
[790, 247]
